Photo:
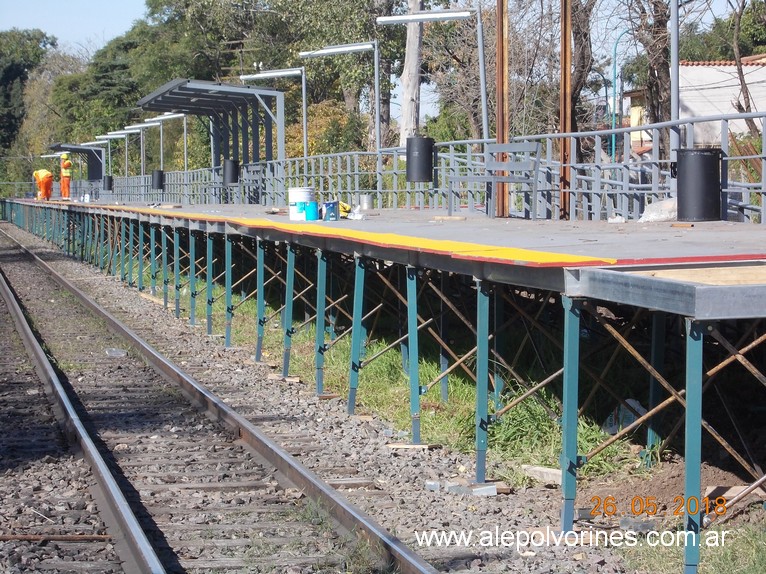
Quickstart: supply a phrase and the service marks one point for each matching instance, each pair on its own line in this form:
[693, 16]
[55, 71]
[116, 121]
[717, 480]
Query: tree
[20, 52]
[742, 105]
[649, 22]
[410, 78]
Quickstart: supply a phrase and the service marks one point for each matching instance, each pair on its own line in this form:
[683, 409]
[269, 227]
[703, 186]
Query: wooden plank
[739, 275]
[407, 446]
[729, 492]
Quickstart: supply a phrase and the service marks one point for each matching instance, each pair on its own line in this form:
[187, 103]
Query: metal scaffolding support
[563, 348]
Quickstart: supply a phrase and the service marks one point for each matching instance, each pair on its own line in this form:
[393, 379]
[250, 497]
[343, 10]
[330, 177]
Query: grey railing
[605, 182]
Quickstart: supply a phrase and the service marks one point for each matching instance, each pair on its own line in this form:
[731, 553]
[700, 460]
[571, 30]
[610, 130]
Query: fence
[605, 182]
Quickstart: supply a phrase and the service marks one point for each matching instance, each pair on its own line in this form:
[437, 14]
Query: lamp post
[287, 73]
[614, 93]
[170, 116]
[446, 16]
[348, 49]
[125, 134]
[140, 128]
[108, 140]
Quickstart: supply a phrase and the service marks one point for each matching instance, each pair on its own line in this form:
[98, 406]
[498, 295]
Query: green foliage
[450, 125]
[20, 52]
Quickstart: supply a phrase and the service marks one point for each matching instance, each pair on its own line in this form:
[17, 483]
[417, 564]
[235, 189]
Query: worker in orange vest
[44, 181]
[66, 175]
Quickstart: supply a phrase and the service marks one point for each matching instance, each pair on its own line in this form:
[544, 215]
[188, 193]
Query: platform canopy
[93, 156]
[242, 118]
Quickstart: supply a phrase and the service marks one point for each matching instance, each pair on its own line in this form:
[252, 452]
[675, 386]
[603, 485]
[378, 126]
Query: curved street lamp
[287, 73]
[348, 49]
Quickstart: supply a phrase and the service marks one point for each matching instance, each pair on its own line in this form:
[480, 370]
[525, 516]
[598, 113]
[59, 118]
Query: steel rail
[142, 553]
[390, 549]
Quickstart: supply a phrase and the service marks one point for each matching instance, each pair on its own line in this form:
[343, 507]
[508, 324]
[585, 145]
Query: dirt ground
[666, 485]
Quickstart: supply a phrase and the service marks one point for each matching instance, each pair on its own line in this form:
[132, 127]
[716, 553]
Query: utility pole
[501, 189]
[565, 104]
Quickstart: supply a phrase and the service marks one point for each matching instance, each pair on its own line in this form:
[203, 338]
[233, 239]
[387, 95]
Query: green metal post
[192, 278]
[569, 458]
[320, 347]
[131, 243]
[482, 378]
[657, 358]
[443, 329]
[101, 251]
[356, 332]
[413, 358]
[69, 240]
[152, 260]
[260, 297]
[332, 287]
[113, 256]
[404, 346]
[287, 312]
[91, 228]
[499, 343]
[123, 246]
[209, 284]
[177, 272]
[81, 217]
[165, 277]
[140, 255]
[227, 279]
[693, 444]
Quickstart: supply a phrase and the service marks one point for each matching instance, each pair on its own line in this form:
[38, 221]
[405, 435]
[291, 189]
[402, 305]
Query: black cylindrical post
[158, 179]
[420, 159]
[230, 172]
[699, 184]
[108, 183]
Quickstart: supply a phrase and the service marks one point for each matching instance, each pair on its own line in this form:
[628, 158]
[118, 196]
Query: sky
[78, 24]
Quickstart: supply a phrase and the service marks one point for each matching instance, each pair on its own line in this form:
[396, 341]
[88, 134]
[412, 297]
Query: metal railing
[604, 183]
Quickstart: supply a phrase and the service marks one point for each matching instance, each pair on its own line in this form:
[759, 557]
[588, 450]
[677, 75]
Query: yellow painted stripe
[457, 249]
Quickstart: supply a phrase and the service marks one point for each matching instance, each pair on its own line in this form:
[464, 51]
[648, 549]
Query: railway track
[50, 520]
[211, 492]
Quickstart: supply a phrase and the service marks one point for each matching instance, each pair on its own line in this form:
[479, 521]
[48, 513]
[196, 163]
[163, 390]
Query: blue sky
[88, 24]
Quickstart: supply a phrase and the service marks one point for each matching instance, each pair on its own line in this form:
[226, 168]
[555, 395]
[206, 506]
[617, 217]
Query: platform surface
[717, 257]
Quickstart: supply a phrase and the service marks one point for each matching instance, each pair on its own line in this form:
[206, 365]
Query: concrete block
[543, 474]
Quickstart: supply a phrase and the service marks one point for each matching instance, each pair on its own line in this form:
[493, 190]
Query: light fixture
[287, 73]
[429, 16]
[145, 124]
[348, 49]
[338, 49]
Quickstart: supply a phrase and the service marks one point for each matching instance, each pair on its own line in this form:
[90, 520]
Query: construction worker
[66, 175]
[44, 181]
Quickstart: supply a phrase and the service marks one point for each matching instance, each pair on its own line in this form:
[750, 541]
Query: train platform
[706, 270]
[699, 287]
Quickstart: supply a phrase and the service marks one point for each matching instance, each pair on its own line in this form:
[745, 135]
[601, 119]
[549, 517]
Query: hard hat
[64, 156]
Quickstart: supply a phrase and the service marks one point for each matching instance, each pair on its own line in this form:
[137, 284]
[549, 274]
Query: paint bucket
[365, 202]
[300, 200]
[312, 211]
[331, 211]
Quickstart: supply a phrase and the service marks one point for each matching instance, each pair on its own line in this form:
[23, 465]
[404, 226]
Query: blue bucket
[312, 211]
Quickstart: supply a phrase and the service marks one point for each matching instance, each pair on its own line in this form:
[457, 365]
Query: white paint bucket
[302, 204]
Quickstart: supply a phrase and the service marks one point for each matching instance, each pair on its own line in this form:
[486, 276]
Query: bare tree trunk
[651, 30]
[582, 58]
[744, 105]
[411, 77]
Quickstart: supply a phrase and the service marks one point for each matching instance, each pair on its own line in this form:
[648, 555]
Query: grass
[527, 435]
[743, 552]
